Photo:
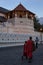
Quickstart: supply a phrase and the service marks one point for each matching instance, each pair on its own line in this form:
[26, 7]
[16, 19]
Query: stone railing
[15, 37]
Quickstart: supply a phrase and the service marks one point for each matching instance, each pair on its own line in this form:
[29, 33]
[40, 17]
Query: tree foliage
[37, 25]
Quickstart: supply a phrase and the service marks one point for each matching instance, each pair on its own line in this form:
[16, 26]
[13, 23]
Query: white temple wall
[2, 14]
[19, 25]
[22, 30]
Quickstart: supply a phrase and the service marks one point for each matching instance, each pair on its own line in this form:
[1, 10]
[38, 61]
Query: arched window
[10, 14]
[20, 16]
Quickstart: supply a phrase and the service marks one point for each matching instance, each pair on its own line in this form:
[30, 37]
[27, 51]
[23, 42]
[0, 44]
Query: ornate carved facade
[21, 12]
[19, 20]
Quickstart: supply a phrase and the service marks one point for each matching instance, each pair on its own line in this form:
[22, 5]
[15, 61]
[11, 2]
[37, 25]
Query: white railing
[14, 37]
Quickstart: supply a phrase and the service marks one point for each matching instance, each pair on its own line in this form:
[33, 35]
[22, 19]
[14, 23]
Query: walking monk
[29, 49]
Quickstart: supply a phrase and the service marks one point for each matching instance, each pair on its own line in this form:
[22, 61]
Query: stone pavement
[12, 56]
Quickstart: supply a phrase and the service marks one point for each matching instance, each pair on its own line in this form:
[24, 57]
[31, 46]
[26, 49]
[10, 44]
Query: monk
[25, 50]
[30, 49]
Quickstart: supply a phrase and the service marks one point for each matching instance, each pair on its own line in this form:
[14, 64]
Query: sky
[36, 6]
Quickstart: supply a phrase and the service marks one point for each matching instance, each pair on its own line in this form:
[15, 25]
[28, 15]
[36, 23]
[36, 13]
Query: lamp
[41, 34]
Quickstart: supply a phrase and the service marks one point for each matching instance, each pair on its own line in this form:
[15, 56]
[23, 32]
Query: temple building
[3, 16]
[17, 25]
[18, 20]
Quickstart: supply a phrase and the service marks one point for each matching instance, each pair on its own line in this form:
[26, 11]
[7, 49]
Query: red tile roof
[3, 10]
[20, 7]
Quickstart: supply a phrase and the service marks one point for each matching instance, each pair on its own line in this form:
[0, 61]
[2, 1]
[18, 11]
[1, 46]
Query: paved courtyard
[12, 56]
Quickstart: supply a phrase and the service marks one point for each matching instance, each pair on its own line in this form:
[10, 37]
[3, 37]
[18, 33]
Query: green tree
[37, 25]
[42, 27]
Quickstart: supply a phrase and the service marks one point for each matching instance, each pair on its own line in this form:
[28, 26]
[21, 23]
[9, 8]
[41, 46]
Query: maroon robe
[25, 49]
[29, 48]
